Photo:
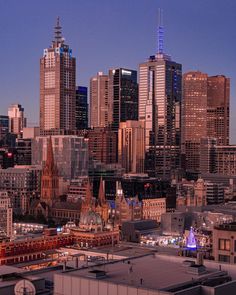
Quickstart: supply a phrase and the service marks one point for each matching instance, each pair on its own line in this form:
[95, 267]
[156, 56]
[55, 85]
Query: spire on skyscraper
[160, 32]
[57, 32]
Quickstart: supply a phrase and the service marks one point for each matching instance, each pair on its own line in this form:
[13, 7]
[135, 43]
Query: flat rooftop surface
[156, 272]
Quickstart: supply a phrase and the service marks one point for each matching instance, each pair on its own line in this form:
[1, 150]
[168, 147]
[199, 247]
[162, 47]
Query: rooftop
[149, 272]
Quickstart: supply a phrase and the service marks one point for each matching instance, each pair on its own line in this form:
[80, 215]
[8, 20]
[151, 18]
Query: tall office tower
[131, 148]
[100, 106]
[17, 121]
[123, 93]
[218, 94]
[57, 87]
[81, 108]
[4, 127]
[194, 112]
[160, 92]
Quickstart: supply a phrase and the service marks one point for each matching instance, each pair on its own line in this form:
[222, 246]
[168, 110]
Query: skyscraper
[194, 112]
[123, 94]
[100, 106]
[17, 121]
[57, 87]
[160, 93]
[218, 93]
[81, 108]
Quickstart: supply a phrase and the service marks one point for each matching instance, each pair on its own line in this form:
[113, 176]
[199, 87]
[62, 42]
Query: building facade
[102, 143]
[17, 120]
[153, 208]
[131, 148]
[22, 184]
[6, 223]
[224, 243]
[57, 87]
[100, 105]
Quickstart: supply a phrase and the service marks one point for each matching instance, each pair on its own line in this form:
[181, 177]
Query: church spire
[50, 158]
[88, 197]
[101, 194]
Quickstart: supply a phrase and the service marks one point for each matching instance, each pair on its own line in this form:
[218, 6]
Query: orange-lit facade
[194, 117]
[31, 249]
[100, 106]
[131, 146]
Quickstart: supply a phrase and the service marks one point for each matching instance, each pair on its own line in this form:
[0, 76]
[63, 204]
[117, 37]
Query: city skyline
[98, 47]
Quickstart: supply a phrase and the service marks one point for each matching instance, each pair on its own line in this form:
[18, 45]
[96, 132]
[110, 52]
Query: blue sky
[109, 33]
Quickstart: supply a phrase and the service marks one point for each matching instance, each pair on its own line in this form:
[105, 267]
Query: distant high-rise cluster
[140, 156]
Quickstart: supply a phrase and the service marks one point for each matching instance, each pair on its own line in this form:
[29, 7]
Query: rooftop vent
[97, 274]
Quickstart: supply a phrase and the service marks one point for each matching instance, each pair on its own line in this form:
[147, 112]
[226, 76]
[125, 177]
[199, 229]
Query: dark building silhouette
[81, 108]
[123, 92]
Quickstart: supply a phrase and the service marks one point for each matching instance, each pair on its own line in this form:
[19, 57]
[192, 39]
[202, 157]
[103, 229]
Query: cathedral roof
[90, 218]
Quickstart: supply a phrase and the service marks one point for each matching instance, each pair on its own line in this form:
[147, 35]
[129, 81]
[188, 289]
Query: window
[224, 244]
[224, 258]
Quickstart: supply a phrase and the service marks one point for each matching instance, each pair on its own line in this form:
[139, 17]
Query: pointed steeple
[88, 197]
[50, 179]
[101, 193]
[50, 158]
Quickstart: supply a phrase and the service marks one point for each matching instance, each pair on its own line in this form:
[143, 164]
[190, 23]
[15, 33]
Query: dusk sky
[109, 33]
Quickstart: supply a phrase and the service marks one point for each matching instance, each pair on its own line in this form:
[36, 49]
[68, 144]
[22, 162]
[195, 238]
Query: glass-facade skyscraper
[160, 92]
[123, 92]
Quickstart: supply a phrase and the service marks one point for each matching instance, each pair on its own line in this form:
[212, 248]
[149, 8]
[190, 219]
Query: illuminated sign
[125, 72]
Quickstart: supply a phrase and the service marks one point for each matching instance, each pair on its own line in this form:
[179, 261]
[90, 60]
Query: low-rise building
[224, 242]
[147, 275]
[22, 184]
[6, 214]
[153, 208]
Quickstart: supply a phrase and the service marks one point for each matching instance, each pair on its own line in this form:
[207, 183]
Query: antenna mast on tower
[57, 31]
[160, 32]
